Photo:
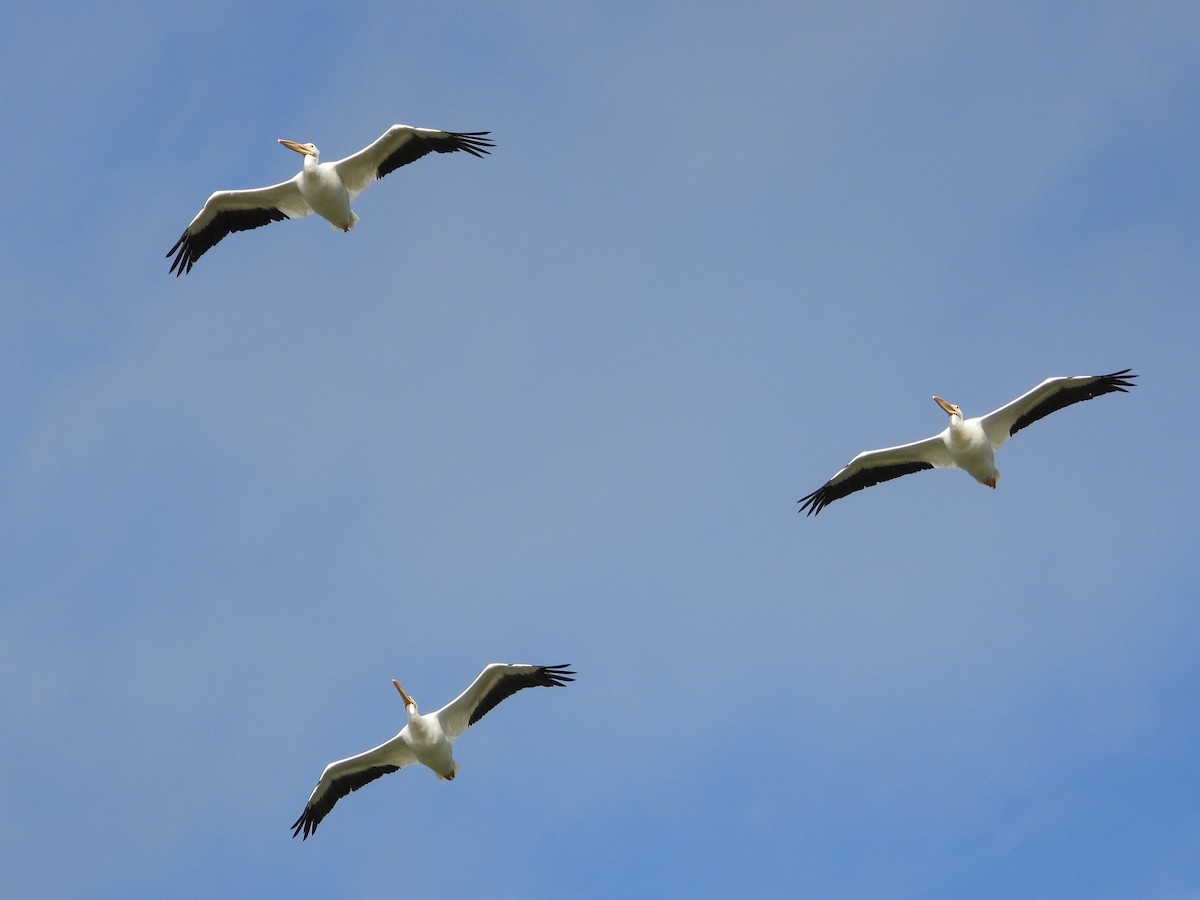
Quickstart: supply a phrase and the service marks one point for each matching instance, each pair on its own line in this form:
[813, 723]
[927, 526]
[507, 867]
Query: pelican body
[426, 739]
[326, 189]
[967, 444]
[322, 188]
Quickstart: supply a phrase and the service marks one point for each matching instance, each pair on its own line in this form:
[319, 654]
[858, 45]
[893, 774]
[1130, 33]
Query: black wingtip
[558, 676]
[1119, 381]
[305, 824]
[477, 143]
[812, 504]
[182, 251]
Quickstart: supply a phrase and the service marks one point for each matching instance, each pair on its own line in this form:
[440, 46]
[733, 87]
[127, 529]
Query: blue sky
[558, 405]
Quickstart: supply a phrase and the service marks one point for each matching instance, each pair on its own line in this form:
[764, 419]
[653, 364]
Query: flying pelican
[323, 188]
[968, 444]
[427, 739]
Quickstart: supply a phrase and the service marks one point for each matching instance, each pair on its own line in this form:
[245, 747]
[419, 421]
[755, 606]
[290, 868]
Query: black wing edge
[477, 143]
[828, 492]
[312, 815]
[1102, 384]
[542, 676]
[190, 247]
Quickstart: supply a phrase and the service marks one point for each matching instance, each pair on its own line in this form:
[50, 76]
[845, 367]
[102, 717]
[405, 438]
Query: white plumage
[426, 739]
[968, 444]
[324, 188]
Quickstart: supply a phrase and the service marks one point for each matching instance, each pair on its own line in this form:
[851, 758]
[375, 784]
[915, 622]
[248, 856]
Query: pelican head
[950, 408]
[303, 149]
[408, 701]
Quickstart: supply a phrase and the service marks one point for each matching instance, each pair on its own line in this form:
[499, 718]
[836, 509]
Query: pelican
[968, 444]
[427, 739]
[323, 188]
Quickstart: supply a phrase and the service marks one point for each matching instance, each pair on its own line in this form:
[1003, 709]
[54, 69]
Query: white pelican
[427, 739]
[323, 188]
[968, 444]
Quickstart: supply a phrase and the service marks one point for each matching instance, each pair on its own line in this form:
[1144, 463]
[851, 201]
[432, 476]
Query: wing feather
[496, 683]
[346, 775]
[1048, 397]
[872, 467]
[402, 144]
[228, 211]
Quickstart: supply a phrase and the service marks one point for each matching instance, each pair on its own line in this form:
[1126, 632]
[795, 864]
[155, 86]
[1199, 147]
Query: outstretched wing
[400, 145]
[874, 466]
[497, 682]
[1050, 396]
[346, 775]
[228, 211]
